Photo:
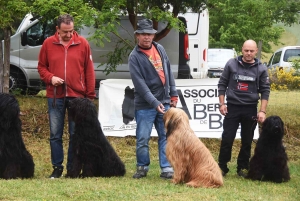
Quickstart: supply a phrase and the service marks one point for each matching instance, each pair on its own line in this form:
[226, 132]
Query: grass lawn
[150, 188]
[36, 131]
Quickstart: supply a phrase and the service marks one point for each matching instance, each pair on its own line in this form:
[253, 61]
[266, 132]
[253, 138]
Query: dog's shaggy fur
[269, 162]
[93, 156]
[15, 160]
[192, 162]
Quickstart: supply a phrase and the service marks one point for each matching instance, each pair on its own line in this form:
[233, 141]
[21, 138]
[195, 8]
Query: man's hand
[223, 110]
[173, 103]
[261, 116]
[160, 108]
[56, 81]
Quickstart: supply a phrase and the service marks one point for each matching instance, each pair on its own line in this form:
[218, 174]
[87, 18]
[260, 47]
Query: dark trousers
[246, 116]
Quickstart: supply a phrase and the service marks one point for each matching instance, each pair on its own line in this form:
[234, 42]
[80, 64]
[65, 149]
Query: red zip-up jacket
[73, 63]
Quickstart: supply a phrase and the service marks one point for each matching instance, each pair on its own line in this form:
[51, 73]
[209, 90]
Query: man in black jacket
[242, 80]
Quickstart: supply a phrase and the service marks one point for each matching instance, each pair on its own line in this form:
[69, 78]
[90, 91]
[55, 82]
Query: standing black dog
[269, 162]
[15, 160]
[93, 156]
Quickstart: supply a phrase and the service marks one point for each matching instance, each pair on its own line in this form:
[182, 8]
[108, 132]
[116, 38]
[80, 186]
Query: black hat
[145, 26]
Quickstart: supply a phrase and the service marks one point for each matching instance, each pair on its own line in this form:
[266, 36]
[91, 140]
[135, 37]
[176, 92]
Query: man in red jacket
[66, 66]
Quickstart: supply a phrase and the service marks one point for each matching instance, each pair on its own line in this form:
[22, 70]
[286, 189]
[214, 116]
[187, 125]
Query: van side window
[291, 54]
[39, 32]
[34, 35]
[270, 61]
[276, 58]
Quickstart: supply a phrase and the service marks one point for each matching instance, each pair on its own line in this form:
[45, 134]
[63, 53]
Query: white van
[198, 30]
[27, 41]
[284, 56]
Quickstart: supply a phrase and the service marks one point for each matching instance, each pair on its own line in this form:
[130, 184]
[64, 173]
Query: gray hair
[65, 18]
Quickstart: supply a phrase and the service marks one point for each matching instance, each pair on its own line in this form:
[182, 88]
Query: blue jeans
[145, 120]
[56, 121]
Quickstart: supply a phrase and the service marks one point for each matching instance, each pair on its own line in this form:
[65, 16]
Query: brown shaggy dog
[192, 162]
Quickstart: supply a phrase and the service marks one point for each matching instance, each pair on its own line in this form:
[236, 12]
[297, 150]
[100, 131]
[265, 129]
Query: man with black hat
[154, 93]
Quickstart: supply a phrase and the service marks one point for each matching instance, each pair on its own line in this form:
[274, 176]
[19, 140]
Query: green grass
[150, 188]
[36, 131]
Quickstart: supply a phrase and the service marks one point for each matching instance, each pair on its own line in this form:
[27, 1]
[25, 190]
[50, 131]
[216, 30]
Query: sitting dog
[192, 162]
[93, 156]
[15, 160]
[269, 162]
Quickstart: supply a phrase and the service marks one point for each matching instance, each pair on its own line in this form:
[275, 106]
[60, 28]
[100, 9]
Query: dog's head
[9, 110]
[81, 109]
[273, 126]
[175, 118]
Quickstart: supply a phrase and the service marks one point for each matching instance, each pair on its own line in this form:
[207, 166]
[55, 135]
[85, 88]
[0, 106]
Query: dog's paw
[192, 184]
[71, 175]
[174, 181]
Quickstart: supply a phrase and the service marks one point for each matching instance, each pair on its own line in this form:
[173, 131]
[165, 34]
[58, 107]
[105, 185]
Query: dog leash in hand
[64, 85]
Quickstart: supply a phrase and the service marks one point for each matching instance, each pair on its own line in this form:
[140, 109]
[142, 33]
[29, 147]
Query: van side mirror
[24, 38]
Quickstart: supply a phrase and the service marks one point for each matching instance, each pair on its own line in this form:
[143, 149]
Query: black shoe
[242, 173]
[140, 172]
[224, 169]
[223, 173]
[166, 175]
[57, 172]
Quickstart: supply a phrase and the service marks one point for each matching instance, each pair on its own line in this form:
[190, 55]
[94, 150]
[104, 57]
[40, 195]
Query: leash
[254, 124]
[64, 86]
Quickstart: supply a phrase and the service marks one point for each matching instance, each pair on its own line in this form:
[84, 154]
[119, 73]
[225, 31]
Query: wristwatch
[220, 104]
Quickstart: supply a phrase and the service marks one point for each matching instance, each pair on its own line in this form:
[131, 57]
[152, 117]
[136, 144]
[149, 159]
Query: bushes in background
[285, 78]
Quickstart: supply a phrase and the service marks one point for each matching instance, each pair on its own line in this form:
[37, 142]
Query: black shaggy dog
[269, 162]
[15, 160]
[93, 156]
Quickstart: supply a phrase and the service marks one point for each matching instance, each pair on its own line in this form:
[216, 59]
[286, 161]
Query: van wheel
[17, 80]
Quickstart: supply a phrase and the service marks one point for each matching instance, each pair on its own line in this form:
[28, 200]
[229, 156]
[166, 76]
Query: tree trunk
[259, 49]
[1, 67]
[6, 68]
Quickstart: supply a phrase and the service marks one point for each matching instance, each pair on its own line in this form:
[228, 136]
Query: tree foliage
[10, 11]
[82, 12]
[156, 10]
[234, 21]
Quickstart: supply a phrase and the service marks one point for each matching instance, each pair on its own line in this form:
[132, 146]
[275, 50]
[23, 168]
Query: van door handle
[195, 45]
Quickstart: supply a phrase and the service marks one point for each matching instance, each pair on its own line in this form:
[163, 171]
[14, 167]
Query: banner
[197, 97]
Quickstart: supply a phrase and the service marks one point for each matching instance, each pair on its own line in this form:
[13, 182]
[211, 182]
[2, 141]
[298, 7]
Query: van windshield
[291, 54]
